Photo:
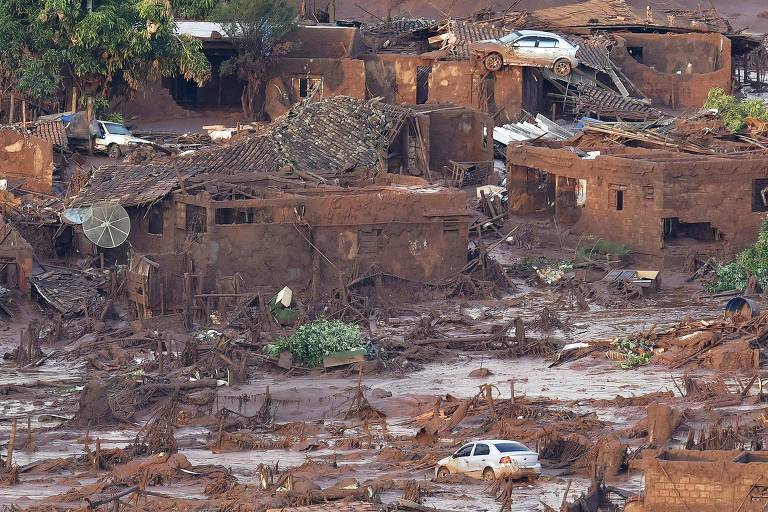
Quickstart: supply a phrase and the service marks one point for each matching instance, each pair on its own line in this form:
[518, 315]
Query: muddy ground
[314, 429]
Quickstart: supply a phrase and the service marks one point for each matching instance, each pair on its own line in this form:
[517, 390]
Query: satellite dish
[108, 225]
[76, 216]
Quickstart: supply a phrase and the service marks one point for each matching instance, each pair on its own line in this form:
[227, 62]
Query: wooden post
[97, 458]
[11, 441]
[28, 445]
[512, 389]
[160, 355]
[12, 109]
[24, 113]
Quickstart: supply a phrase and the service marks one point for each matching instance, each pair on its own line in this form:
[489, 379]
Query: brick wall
[708, 481]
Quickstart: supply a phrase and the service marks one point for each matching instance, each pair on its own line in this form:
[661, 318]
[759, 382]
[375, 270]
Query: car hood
[445, 460]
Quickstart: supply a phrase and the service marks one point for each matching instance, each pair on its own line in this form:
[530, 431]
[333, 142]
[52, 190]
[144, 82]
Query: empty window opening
[636, 52]
[197, 219]
[760, 195]
[700, 231]
[308, 84]
[617, 197]
[155, 220]
[226, 216]
[422, 83]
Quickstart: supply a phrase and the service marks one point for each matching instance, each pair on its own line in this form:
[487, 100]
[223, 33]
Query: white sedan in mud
[490, 460]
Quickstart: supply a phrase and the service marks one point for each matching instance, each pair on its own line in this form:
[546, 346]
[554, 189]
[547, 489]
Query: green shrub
[753, 261]
[733, 111]
[310, 342]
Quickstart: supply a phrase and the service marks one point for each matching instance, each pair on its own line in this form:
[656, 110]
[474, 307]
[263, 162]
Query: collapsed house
[16, 259]
[317, 182]
[660, 203]
[26, 162]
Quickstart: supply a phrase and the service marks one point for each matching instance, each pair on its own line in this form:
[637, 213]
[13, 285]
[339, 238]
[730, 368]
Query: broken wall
[629, 193]
[675, 70]
[637, 224]
[459, 135]
[292, 79]
[461, 82]
[16, 259]
[393, 77]
[705, 481]
[26, 161]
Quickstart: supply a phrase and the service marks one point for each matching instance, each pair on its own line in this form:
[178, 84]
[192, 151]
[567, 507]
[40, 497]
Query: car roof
[537, 33]
[493, 441]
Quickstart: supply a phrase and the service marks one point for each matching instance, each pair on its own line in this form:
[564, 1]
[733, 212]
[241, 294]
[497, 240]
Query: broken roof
[69, 291]
[312, 140]
[51, 131]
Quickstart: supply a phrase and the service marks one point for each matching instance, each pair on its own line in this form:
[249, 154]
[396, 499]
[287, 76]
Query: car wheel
[562, 67]
[114, 151]
[443, 472]
[493, 62]
[489, 475]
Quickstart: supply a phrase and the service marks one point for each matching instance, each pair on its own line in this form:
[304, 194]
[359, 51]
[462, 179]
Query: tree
[96, 46]
[257, 29]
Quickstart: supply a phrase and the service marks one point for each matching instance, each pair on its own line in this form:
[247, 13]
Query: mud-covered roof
[315, 138]
[591, 12]
[51, 131]
[68, 291]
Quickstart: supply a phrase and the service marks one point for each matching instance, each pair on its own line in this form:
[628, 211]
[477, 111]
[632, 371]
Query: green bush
[733, 111]
[310, 342]
[753, 261]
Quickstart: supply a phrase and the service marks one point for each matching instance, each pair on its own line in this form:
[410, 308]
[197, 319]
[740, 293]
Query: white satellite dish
[76, 216]
[108, 225]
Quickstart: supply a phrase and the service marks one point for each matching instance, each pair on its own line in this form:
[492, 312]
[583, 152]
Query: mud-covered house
[662, 203]
[309, 203]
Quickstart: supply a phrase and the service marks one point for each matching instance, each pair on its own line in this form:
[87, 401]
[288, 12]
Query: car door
[523, 52]
[547, 51]
[461, 458]
[480, 458]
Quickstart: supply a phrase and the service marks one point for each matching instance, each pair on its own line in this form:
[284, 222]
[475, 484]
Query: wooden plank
[344, 358]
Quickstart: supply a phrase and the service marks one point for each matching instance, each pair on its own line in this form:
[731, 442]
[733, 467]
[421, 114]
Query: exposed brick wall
[708, 481]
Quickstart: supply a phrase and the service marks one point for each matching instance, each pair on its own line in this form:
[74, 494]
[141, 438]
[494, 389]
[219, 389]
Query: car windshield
[511, 447]
[509, 37]
[116, 129]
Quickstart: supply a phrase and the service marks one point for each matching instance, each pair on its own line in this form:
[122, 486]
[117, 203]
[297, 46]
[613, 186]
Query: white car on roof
[491, 459]
[527, 48]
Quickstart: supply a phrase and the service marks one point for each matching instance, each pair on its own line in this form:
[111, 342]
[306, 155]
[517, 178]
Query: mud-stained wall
[394, 77]
[26, 162]
[415, 231]
[501, 93]
[323, 42]
[17, 257]
[675, 70]
[628, 194]
[461, 135]
[705, 481]
[339, 77]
